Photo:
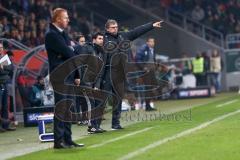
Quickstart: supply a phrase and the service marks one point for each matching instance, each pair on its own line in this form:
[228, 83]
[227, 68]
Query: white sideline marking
[119, 138]
[179, 135]
[131, 134]
[227, 103]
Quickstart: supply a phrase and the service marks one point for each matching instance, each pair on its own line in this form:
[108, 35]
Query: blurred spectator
[198, 13]
[232, 22]
[36, 93]
[186, 64]
[5, 26]
[15, 35]
[206, 60]
[33, 16]
[27, 38]
[215, 68]
[22, 87]
[81, 40]
[198, 69]
[146, 54]
[220, 14]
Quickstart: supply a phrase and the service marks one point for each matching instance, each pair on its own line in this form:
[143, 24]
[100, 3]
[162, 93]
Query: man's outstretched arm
[140, 30]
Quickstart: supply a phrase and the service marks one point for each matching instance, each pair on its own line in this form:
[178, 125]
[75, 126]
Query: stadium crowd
[222, 15]
[27, 20]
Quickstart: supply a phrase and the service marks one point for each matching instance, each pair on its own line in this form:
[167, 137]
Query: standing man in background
[59, 50]
[146, 54]
[198, 69]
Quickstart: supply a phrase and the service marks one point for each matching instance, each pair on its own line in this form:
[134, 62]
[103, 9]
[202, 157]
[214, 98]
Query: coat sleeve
[138, 31]
[54, 43]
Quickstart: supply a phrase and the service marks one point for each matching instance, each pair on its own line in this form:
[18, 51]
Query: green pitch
[159, 136]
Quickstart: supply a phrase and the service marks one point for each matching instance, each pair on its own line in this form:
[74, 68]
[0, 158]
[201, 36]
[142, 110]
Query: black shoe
[117, 127]
[73, 144]
[61, 145]
[10, 129]
[151, 109]
[93, 130]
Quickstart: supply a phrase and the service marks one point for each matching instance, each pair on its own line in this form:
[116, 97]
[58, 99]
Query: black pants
[62, 130]
[199, 79]
[4, 103]
[118, 91]
[82, 106]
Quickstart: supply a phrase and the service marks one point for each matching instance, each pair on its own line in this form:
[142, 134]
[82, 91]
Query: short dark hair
[95, 35]
[80, 36]
[109, 22]
[9, 53]
[148, 38]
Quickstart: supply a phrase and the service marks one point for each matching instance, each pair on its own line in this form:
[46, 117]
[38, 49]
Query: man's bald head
[60, 18]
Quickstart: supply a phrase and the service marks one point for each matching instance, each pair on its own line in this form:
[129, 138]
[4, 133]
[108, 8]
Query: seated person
[36, 93]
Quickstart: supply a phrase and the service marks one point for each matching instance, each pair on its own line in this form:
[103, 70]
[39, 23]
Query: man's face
[63, 20]
[1, 48]
[151, 43]
[41, 81]
[98, 40]
[82, 41]
[113, 28]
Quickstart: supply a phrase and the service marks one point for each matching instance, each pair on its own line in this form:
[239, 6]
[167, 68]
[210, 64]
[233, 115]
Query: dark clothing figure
[146, 54]
[81, 102]
[58, 49]
[114, 75]
[4, 78]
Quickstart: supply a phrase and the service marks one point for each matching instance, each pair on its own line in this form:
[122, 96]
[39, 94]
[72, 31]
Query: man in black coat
[113, 78]
[59, 50]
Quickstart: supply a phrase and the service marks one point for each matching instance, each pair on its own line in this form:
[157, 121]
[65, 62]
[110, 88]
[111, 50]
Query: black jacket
[143, 54]
[130, 35]
[112, 45]
[90, 49]
[58, 47]
[5, 73]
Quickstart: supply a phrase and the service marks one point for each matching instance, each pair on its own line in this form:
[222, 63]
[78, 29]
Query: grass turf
[160, 129]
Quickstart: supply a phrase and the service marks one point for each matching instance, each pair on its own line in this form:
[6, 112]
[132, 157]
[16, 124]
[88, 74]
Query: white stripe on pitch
[120, 138]
[227, 103]
[176, 136]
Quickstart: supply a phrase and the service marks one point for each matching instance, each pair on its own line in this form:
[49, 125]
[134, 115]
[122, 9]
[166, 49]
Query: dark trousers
[82, 106]
[117, 103]
[4, 104]
[199, 79]
[62, 130]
